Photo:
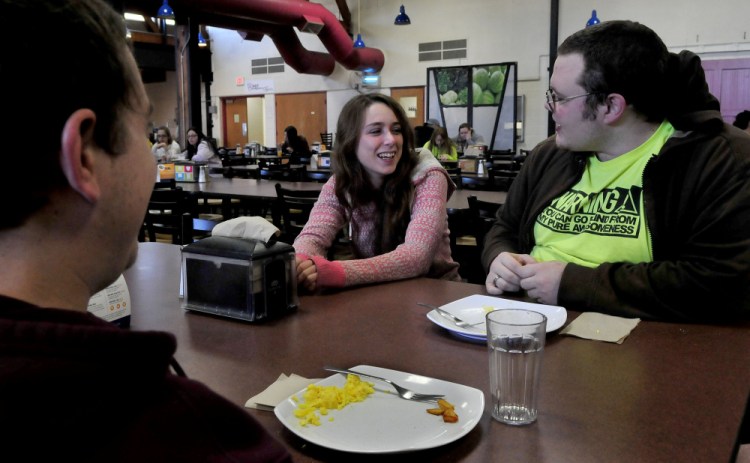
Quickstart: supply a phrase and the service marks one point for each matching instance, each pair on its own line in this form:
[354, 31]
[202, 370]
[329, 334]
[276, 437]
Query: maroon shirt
[76, 388]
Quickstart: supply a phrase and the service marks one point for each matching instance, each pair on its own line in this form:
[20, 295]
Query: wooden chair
[501, 179]
[520, 158]
[167, 184]
[233, 166]
[275, 172]
[294, 207]
[474, 223]
[327, 139]
[477, 182]
[455, 174]
[463, 248]
[168, 213]
[483, 215]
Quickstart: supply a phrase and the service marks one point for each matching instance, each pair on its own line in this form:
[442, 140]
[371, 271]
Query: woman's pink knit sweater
[425, 251]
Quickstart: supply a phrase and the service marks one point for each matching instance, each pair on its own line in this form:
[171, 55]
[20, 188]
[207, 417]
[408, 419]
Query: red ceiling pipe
[290, 48]
[297, 13]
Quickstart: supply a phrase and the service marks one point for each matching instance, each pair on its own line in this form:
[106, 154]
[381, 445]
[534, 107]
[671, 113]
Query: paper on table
[600, 327]
[282, 388]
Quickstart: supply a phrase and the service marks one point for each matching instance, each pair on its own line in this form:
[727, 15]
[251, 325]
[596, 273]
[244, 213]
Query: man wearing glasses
[639, 205]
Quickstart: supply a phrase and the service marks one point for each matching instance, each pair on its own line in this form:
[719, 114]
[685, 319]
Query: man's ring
[494, 281]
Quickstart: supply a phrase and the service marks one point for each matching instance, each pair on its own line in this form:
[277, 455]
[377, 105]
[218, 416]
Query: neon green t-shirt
[437, 152]
[601, 218]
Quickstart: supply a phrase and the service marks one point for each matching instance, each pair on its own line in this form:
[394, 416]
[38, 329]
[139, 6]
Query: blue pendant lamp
[402, 19]
[165, 11]
[359, 43]
[201, 40]
[592, 20]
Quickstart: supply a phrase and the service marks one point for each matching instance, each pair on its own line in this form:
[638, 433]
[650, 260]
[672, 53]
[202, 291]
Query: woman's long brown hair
[353, 187]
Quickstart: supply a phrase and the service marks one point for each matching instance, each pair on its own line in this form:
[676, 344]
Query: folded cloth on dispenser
[249, 228]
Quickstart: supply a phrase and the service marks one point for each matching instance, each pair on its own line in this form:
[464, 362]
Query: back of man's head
[742, 121]
[71, 58]
[627, 58]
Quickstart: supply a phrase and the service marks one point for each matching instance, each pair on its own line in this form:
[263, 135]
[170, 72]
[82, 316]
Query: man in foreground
[73, 387]
[639, 206]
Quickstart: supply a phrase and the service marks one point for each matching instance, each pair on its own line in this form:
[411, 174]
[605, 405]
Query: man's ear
[616, 105]
[77, 154]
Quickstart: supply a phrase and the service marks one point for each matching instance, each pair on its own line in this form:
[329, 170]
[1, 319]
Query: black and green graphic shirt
[601, 218]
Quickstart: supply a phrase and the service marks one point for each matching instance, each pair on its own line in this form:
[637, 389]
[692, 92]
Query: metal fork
[450, 316]
[404, 393]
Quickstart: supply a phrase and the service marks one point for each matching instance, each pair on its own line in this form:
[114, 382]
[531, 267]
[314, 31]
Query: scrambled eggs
[320, 399]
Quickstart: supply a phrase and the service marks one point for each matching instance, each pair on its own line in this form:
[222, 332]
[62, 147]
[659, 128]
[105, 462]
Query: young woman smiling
[392, 199]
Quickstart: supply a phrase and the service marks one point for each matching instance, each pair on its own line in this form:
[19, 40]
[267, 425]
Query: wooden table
[219, 187]
[670, 393]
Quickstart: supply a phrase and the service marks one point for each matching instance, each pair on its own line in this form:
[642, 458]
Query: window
[448, 49]
[267, 65]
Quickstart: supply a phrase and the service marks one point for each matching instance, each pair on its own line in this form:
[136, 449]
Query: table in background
[219, 187]
[670, 392]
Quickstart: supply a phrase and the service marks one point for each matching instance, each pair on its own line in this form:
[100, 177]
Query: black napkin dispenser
[239, 278]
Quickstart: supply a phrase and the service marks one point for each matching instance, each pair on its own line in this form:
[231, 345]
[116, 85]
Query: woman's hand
[307, 274]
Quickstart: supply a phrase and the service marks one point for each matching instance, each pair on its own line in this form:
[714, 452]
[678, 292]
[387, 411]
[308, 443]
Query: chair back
[275, 172]
[455, 174]
[327, 139]
[165, 184]
[295, 207]
[483, 215]
[168, 213]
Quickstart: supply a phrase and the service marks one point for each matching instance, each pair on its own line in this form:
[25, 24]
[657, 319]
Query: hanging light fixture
[402, 19]
[201, 41]
[359, 43]
[593, 19]
[165, 11]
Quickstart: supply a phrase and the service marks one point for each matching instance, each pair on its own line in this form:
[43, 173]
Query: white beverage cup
[515, 341]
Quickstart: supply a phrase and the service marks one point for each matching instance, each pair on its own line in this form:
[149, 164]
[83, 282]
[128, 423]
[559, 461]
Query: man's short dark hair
[623, 57]
[742, 120]
[72, 59]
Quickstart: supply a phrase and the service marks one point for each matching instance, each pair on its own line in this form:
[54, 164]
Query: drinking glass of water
[515, 341]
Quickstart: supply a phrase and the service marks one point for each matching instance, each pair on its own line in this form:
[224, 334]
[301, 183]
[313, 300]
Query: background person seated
[466, 137]
[200, 149]
[165, 148]
[742, 121]
[441, 146]
[295, 145]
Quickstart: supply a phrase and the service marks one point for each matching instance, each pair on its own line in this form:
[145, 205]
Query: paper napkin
[600, 327]
[257, 228]
[282, 388]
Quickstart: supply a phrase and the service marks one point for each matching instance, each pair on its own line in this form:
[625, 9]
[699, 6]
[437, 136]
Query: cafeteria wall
[495, 31]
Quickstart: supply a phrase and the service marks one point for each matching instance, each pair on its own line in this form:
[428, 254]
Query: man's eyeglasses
[553, 100]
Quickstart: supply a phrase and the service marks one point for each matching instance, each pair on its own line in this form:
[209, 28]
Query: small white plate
[473, 309]
[384, 422]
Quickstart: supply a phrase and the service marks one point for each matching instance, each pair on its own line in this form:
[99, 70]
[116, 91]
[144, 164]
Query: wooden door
[412, 100]
[307, 112]
[729, 81]
[235, 121]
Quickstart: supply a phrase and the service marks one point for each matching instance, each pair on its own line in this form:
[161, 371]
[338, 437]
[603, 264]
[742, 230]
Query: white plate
[384, 422]
[473, 309]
